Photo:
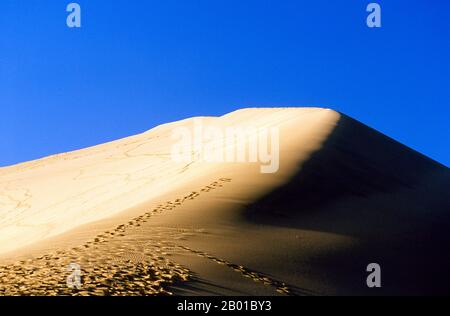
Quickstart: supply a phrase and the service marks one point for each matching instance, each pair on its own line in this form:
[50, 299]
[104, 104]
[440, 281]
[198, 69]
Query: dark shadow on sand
[355, 161]
[391, 199]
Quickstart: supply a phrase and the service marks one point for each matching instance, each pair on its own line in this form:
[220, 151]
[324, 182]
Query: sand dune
[140, 223]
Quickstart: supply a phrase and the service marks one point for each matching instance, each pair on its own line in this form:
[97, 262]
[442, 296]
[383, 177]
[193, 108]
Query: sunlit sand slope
[138, 222]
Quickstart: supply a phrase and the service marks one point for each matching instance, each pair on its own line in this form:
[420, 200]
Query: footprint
[279, 286]
[45, 275]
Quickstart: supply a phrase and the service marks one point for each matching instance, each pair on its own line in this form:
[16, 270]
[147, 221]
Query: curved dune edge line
[345, 196]
[92, 184]
[113, 263]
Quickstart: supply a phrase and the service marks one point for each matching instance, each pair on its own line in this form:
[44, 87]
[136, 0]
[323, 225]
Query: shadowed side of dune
[355, 161]
[388, 197]
[345, 196]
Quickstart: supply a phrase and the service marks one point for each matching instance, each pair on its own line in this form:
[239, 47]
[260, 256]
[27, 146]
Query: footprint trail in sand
[115, 262]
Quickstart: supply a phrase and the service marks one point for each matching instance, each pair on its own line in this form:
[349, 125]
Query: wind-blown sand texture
[139, 223]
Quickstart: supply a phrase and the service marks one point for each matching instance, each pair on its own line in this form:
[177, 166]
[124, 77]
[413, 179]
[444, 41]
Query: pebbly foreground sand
[139, 223]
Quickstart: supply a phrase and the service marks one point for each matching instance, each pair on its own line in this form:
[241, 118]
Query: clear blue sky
[136, 64]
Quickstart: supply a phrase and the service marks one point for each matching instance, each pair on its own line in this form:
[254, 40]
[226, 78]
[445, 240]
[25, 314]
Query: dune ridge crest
[50, 196]
[344, 196]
